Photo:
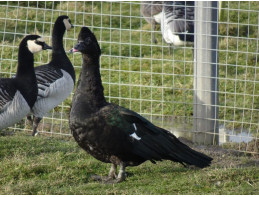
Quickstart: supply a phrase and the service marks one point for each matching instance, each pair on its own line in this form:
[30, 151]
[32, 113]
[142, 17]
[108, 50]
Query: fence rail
[148, 77]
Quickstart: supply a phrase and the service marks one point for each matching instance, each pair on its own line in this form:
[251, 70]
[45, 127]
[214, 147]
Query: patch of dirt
[229, 156]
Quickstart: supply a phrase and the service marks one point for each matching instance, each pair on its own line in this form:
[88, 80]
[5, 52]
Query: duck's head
[64, 21]
[87, 43]
[35, 43]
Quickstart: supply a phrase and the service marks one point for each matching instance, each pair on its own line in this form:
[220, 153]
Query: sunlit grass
[44, 165]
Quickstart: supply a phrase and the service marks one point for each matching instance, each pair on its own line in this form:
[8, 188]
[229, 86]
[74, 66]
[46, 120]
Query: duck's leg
[170, 48]
[121, 176]
[112, 174]
[122, 173]
[36, 121]
[153, 28]
[113, 171]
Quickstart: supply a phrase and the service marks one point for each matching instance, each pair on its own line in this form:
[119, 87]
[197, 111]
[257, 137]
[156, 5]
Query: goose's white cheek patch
[67, 24]
[33, 47]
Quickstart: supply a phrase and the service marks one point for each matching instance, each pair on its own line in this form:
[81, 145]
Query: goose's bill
[45, 47]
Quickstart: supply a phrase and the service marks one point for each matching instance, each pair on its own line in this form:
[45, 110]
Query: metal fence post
[205, 121]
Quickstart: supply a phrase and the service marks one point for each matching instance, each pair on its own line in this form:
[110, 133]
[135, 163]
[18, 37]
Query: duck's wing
[46, 75]
[148, 140]
[7, 92]
[155, 144]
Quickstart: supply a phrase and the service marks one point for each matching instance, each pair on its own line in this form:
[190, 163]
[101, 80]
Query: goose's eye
[38, 42]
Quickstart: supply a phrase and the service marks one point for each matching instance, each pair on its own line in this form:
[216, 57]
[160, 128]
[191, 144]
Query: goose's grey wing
[7, 92]
[46, 75]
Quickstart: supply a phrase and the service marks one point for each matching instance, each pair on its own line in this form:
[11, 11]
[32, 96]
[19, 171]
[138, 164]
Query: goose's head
[35, 43]
[87, 43]
[65, 22]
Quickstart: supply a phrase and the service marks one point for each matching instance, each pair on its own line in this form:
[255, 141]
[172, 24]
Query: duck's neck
[90, 83]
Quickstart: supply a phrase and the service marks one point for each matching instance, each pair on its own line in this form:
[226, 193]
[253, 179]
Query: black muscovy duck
[114, 134]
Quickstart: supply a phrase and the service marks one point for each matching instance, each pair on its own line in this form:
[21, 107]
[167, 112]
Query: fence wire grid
[153, 79]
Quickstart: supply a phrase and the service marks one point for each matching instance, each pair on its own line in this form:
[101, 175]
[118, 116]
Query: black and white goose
[113, 134]
[56, 79]
[152, 11]
[18, 94]
[177, 22]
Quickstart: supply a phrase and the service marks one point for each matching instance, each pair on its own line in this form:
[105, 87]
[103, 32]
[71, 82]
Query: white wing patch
[134, 135]
[135, 126]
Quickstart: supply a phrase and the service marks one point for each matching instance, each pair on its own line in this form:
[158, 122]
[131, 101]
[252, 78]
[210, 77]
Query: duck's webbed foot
[112, 177]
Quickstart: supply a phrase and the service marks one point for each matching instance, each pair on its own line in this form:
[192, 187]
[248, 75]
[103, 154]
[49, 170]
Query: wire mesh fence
[154, 79]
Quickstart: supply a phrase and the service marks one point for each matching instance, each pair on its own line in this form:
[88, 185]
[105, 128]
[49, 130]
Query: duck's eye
[88, 40]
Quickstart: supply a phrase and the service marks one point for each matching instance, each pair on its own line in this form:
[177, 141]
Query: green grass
[138, 74]
[47, 165]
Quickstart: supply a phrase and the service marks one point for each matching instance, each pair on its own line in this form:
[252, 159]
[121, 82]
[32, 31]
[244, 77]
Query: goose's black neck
[59, 57]
[25, 78]
[25, 61]
[90, 83]
[57, 39]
